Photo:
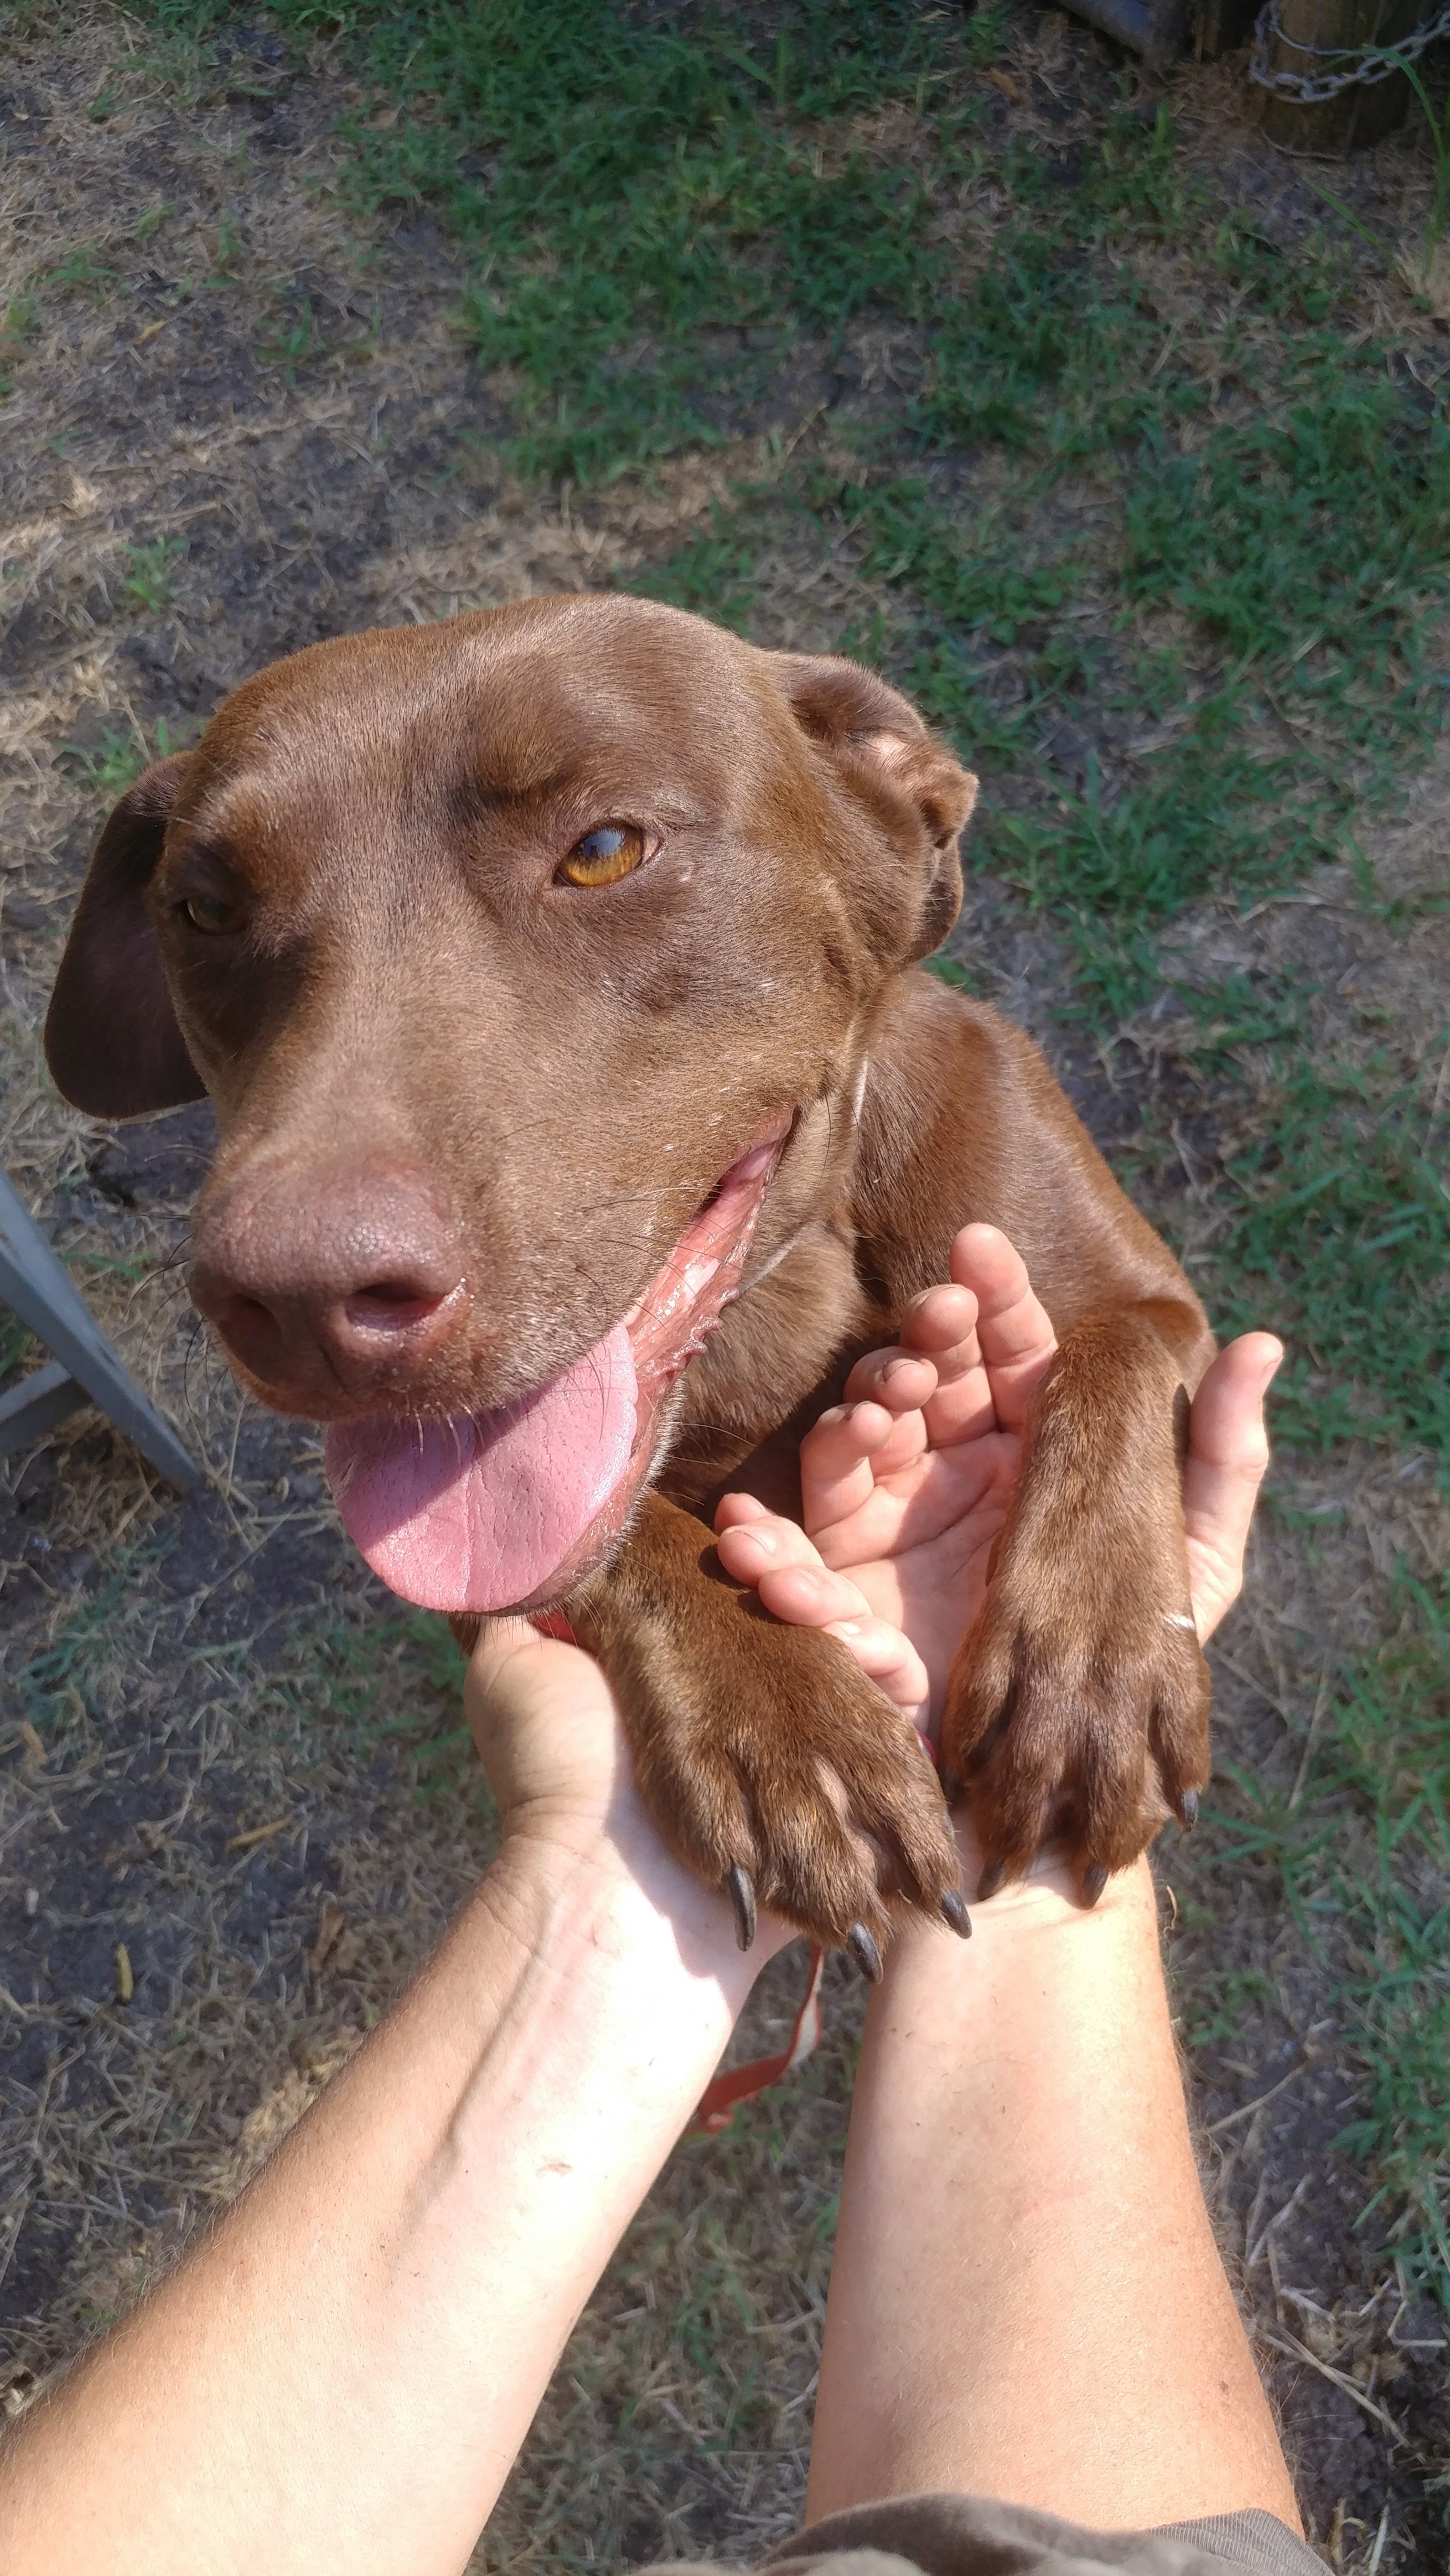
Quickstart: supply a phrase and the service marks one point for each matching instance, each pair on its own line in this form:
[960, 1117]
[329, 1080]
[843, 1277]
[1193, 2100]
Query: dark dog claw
[740, 1888]
[954, 1907]
[1188, 1810]
[990, 1880]
[1094, 1880]
[865, 1953]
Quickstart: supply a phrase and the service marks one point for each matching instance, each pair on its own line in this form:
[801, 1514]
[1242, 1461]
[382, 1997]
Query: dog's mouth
[505, 1510]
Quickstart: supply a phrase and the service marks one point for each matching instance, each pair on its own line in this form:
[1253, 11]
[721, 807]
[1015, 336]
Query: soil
[224, 1751]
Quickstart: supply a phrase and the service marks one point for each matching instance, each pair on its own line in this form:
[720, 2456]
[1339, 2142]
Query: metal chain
[1373, 63]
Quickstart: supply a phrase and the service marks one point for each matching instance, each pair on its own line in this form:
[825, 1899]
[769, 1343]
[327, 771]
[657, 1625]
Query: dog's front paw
[778, 1771]
[772, 1765]
[1077, 1712]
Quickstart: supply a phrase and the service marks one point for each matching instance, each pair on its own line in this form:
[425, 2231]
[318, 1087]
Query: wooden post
[1322, 37]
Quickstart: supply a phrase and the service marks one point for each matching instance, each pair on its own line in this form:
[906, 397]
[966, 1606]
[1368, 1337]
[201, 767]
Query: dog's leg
[773, 1766]
[1078, 1706]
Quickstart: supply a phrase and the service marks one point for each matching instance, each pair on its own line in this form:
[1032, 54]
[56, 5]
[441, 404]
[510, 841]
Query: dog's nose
[346, 1285]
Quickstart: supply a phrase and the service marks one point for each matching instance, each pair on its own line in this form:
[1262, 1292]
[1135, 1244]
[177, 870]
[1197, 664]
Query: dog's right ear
[111, 1038]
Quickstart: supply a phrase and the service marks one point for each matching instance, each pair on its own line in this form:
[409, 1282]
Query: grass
[114, 763]
[1363, 1845]
[1332, 1219]
[15, 1341]
[1155, 529]
[147, 579]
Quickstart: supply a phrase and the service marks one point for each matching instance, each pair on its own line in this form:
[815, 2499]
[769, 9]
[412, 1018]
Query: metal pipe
[1129, 21]
[1156, 29]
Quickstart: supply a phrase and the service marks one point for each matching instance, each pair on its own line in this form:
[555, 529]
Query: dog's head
[531, 962]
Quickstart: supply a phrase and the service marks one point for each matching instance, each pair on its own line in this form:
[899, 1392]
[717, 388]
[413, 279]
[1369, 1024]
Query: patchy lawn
[1106, 436]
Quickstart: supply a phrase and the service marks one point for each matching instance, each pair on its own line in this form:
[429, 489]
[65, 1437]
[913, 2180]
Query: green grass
[15, 1341]
[653, 223]
[392, 1683]
[1333, 1222]
[113, 764]
[1152, 532]
[146, 581]
[1364, 1853]
[1339, 1227]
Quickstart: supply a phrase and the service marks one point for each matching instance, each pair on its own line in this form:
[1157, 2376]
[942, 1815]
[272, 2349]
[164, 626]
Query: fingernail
[894, 1367]
[846, 1627]
[765, 1540]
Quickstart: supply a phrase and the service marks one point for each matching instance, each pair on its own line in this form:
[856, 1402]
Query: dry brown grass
[199, 1671]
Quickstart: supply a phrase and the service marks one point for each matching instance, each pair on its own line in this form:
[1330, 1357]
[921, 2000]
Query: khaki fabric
[955, 2535]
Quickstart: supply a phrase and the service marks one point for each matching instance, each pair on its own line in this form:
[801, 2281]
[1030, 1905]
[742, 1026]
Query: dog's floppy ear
[111, 1039]
[885, 752]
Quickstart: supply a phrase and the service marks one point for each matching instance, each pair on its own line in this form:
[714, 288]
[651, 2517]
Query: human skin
[342, 2371]
[1026, 2299]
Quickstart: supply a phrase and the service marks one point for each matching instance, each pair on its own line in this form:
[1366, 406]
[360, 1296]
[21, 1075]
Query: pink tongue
[475, 1514]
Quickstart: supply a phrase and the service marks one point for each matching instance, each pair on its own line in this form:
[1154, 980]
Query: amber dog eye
[603, 856]
[208, 912]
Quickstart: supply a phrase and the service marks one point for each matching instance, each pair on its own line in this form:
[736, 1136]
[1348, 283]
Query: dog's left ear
[886, 755]
[111, 1036]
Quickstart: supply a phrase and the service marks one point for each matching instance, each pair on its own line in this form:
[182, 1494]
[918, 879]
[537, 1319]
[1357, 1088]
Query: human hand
[547, 1730]
[905, 1487]
[549, 1735]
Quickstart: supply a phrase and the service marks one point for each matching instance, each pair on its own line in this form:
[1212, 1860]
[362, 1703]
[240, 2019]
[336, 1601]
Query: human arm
[1026, 2299]
[340, 2374]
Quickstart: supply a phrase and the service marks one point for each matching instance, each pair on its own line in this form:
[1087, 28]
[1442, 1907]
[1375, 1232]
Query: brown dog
[582, 1118]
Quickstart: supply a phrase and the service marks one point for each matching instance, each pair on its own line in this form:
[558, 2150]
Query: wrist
[606, 1895]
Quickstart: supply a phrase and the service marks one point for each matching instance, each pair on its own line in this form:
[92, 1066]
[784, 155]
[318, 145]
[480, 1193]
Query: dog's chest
[779, 1351]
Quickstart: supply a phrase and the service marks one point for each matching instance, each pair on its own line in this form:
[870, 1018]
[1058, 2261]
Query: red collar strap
[719, 2101]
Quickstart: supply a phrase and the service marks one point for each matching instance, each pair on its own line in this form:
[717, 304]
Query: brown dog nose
[346, 1285]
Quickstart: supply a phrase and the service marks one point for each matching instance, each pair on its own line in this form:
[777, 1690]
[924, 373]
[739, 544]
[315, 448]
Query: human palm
[906, 1485]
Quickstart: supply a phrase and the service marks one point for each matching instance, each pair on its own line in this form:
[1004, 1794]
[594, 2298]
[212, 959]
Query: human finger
[841, 1456]
[733, 1510]
[777, 1558]
[806, 1596]
[770, 1543]
[888, 1658]
[902, 1381]
[1013, 1326]
[1228, 1451]
[943, 1321]
[810, 1596]
[940, 1322]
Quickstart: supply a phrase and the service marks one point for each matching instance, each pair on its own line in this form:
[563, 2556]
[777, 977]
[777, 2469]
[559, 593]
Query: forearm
[1023, 2244]
[342, 2373]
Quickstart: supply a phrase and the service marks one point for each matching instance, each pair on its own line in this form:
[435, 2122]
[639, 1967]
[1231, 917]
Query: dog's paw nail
[951, 1786]
[865, 1953]
[740, 1888]
[1094, 1880]
[990, 1880]
[1188, 1810]
[954, 1907]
